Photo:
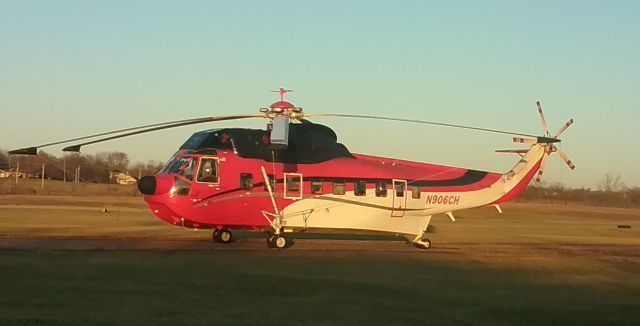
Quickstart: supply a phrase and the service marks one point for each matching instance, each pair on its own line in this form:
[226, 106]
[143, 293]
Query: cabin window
[208, 171]
[316, 186]
[246, 181]
[293, 183]
[399, 189]
[338, 188]
[381, 189]
[272, 181]
[415, 192]
[360, 188]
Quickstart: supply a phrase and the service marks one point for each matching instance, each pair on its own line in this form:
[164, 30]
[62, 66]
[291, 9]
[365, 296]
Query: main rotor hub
[282, 107]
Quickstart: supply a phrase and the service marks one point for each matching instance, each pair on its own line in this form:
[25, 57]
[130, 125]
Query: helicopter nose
[147, 185]
[155, 184]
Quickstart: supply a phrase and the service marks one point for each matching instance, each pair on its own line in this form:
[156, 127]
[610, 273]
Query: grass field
[535, 264]
[8, 186]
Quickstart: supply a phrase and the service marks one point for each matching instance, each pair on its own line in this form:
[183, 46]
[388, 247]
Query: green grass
[60, 188]
[222, 287]
[59, 216]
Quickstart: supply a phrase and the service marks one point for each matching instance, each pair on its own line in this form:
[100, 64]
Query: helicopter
[294, 176]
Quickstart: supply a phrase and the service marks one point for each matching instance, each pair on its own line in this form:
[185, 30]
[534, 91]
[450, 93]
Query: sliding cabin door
[399, 198]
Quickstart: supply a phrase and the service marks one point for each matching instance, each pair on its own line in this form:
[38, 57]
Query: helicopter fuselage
[216, 180]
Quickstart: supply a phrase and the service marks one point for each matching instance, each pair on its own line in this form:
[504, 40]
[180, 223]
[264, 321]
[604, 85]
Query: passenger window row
[337, 187]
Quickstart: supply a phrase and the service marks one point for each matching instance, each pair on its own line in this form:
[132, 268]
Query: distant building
[12, 174]
[122, 178]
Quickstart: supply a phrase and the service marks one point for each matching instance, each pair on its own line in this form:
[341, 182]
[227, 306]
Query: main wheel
[423, 244]
[222, 236]
[280, 242]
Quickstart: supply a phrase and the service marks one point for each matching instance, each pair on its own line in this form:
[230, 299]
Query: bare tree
[113, 160]
[4, 160]
[611, 183]
[150, 168]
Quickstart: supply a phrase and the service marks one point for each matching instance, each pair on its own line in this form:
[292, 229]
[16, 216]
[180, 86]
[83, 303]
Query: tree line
[610, 191]
[97, 167]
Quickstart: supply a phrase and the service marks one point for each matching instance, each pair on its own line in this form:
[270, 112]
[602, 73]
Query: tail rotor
[548, 142]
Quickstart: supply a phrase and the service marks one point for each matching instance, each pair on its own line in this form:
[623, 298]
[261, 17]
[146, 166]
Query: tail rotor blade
[563, 128]
[524, 140]
[544, 121]
[513, 151]
[565, 158]
[543, 164]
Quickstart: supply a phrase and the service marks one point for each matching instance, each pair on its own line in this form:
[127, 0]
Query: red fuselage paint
[227, 204]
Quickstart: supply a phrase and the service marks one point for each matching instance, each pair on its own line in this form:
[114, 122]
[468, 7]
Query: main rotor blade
[76, 148]
[563, 128]
[339, 115]
[544, 121]
[33, 150]
[543, 164]
[565, 158]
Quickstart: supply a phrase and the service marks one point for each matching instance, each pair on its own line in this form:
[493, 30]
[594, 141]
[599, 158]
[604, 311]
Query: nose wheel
[222, 236]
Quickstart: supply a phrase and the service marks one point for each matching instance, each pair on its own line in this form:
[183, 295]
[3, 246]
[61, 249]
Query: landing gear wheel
[423, 244]
[222, 236]
[278, 241]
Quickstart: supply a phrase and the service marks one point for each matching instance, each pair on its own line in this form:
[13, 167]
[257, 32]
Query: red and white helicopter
[295, 176]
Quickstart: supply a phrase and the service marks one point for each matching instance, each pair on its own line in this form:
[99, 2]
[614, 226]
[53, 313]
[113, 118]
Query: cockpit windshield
[184, 166]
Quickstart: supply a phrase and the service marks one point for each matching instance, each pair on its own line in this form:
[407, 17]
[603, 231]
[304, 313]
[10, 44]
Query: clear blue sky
[69, 68]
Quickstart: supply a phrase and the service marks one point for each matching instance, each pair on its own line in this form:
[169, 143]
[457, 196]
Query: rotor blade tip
[74, 148]
[24, 151]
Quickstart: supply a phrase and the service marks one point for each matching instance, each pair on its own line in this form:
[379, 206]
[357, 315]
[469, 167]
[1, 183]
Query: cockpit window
[208, 171]
[189, 170]
[176, 165]
[184, 166]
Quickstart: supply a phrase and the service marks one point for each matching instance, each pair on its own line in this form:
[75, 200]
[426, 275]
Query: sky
[72, 68]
